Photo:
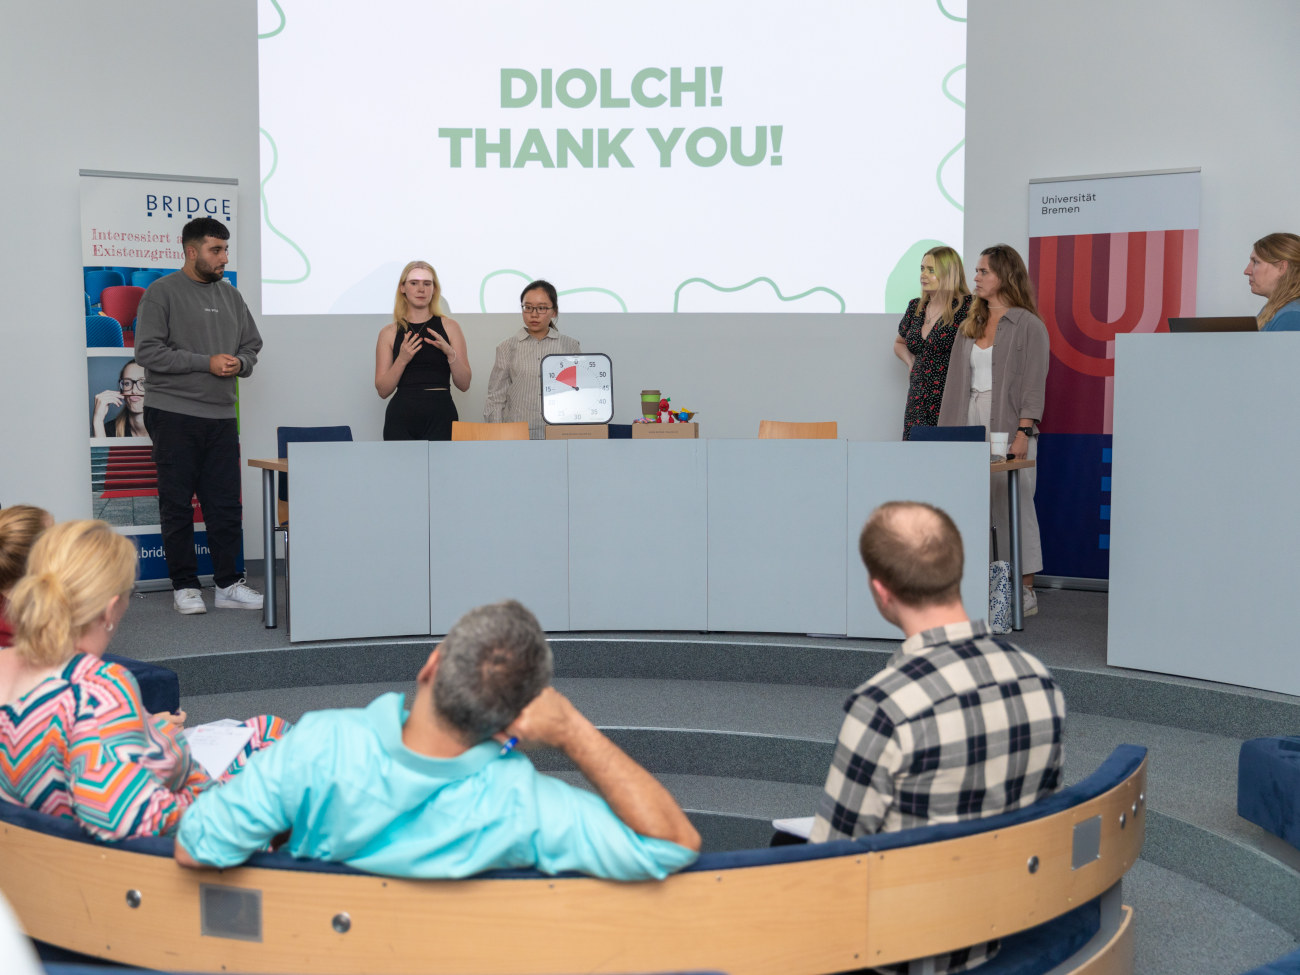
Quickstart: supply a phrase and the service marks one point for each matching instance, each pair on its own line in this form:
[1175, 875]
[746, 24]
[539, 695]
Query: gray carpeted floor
[1184, 926]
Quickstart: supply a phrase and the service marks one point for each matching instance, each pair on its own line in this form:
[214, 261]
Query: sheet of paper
[800, 826]
[216, 744]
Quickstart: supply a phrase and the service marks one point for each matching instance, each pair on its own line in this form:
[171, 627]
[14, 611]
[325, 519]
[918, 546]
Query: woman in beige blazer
[996, 379]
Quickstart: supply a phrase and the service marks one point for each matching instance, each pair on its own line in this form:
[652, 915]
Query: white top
[981, 369]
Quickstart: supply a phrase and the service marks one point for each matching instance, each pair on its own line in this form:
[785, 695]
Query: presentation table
[399, 539]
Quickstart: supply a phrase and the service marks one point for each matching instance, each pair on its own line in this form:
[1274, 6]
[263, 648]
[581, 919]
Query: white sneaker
[188, 602]
[238, 596]
[1030, 600]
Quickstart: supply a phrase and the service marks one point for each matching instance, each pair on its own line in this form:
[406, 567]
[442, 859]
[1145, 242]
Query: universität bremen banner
[1108, 254]
[131, 236]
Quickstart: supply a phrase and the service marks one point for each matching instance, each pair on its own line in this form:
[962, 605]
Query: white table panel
[638, 549]
[359, 559]
[776, 535]
[951, 476]
[1205, 523]
[499, 511]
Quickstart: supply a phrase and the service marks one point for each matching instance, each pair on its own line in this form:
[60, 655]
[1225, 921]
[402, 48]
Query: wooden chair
[489, 431]
[783, 430]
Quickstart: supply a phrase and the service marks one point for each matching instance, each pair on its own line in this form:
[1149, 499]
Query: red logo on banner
[1093, 287]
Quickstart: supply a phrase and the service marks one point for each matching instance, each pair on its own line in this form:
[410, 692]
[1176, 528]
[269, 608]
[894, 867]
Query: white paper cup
[998, 443]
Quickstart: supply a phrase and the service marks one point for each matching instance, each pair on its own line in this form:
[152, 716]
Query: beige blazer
[1020, 360]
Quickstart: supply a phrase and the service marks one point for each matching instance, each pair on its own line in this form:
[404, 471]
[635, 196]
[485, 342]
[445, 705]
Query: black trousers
[199, 456]
[419, 414]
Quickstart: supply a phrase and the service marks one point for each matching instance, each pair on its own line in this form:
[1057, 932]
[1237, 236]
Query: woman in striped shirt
[515, 387]
[75, 740]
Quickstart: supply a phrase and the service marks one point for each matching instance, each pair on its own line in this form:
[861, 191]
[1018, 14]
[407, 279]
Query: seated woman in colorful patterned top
[75, 741]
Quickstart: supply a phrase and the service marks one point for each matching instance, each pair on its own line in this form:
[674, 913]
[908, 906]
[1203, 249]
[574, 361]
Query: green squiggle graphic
[482, 288]
[266, 219]
[262, 37]
[741, 287]
[938, 173]
[949, 95]
[942, 10]
[600, 291]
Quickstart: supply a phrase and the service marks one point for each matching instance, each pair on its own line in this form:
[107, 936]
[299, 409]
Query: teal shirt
[1287, 319]
[350, 791]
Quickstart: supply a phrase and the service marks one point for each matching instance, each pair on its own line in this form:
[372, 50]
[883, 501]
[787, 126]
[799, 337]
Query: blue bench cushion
[1286, 965]
[1268, 785]
[1122, 763]
[1041, 949]
[160, 688]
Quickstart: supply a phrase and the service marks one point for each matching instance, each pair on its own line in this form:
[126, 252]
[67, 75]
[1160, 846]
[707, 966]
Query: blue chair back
[949, 434]
[142, 279]
[287, 435]
[103, 332]
[97, 281]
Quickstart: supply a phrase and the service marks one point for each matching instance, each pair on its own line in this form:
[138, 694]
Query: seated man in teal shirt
[434, 793]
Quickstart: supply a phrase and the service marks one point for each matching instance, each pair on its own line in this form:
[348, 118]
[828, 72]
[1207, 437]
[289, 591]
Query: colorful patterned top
[930, 365]
[81, 746]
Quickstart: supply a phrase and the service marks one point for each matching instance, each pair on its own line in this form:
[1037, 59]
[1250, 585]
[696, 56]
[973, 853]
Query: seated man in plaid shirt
[959, 725]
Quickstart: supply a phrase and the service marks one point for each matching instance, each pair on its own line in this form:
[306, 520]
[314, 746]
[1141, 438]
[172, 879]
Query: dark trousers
[419, 414]
[196, 455]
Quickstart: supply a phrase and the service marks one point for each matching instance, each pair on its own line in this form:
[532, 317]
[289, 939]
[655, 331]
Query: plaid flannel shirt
[959, 725]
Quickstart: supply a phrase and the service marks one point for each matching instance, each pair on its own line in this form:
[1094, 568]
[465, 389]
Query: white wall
[1057, 89]
[1053, 90]
[148, 86]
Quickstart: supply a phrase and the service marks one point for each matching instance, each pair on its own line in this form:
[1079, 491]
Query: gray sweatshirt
[180, 324]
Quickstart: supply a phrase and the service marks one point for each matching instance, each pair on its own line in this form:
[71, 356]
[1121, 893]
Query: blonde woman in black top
[418, 355]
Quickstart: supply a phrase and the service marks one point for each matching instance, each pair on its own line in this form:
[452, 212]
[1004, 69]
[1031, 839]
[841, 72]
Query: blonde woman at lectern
[1274, 273]
[997, 378]
[418, 356]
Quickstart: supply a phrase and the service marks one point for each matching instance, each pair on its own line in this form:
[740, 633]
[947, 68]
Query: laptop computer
[1243, 323]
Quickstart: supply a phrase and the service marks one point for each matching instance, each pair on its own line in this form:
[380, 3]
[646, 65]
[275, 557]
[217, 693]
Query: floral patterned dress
[930, 368]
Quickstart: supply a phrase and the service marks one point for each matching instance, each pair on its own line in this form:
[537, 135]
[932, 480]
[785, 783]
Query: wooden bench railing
[814, 909]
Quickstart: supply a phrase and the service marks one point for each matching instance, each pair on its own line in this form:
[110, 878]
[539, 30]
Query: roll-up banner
[131, 236]
[1108, 255]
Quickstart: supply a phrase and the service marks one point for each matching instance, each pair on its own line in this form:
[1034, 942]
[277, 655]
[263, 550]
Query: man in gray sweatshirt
[194, 335]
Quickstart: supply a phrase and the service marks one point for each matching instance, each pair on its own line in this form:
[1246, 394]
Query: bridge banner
[1108, 255]
[130, 236]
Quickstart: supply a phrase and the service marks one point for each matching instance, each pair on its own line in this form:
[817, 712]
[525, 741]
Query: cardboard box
[577, 431]
[665, 431]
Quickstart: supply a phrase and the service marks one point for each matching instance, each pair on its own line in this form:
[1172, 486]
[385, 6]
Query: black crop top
[429, 369]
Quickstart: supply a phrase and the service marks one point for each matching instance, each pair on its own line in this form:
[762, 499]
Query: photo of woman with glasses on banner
[127, 395]
[515, 387]
[418, 356]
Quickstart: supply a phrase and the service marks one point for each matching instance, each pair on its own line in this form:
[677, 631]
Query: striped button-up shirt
[515, 387]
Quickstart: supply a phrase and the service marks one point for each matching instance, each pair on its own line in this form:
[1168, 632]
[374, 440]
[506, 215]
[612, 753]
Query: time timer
[577, 388]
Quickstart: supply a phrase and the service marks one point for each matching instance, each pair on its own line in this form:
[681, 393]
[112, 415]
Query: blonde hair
[20, 526]
[74, 571]
[1016, 290]
[1274, 249]
[401, 308]
[952, 283]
